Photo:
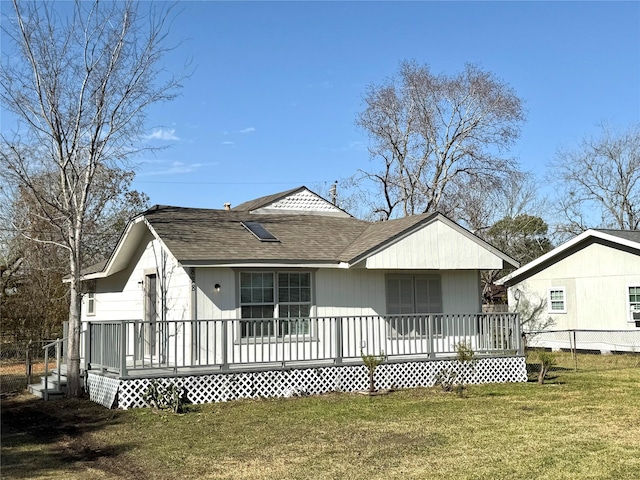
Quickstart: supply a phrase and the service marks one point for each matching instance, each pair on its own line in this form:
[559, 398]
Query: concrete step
[39, 391]
[55, 388]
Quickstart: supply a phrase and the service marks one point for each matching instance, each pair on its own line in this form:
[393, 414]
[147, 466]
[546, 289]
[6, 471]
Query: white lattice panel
[222, 387]
[102, 390]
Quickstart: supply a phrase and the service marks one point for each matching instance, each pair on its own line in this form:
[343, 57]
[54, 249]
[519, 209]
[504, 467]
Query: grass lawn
[583, 424]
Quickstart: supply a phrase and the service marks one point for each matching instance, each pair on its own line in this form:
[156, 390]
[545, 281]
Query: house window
[279, 303]
[91, 303]
[557, 300]
[410, 295]
[634, 304]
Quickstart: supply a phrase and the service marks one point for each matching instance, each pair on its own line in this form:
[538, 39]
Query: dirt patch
[57, 438]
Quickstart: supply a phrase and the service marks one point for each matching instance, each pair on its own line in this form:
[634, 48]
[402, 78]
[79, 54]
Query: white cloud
[243, 131]
[163, 134]
[228, 143]
[178, 168]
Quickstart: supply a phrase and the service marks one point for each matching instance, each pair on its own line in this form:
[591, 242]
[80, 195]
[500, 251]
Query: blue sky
[277, 85]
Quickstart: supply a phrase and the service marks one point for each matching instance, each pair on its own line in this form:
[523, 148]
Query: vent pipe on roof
[333, 193]
[227, 206]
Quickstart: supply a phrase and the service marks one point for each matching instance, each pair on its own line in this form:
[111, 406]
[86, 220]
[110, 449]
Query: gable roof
[299, 200]
[630, 235]
[201, 236]
[212, 237]
[266, 200]
[629, 239]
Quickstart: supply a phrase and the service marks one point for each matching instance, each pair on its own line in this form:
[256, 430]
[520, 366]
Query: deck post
[102, 342]
[46, 374]
[58, 351]
[338, 340]
[225, 342]
[518, 334]
[123, 348]
[87, 347]
[65, 340]
[432, 353]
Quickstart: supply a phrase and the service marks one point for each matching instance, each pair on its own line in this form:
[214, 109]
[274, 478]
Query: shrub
[372, 362]
[165, 397]
[453, 378]
[547, 360]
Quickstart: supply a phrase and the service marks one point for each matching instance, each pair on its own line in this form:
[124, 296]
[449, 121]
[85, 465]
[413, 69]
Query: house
[284, 294]
[589, 284]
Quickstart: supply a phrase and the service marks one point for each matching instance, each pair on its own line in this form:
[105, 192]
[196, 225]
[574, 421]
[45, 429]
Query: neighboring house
[283, 294]
[591, 282]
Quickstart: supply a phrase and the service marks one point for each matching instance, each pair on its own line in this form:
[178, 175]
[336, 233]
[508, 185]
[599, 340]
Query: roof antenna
[333, 193]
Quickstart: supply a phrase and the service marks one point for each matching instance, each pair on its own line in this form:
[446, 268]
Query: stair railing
[61, 350]
[58, 344]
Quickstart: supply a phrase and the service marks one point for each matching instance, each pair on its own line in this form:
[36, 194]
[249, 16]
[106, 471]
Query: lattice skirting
[102, 390]
[221, 387]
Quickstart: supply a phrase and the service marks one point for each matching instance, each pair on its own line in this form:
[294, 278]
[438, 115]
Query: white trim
[279, 265]
[627, 302]
[108, 268]
[565, 246]
[238, 338]
[91, 300]
[550, 308]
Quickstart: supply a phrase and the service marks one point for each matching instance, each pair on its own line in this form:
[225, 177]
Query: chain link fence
[21, 363]
[586, 341]
[582, 350]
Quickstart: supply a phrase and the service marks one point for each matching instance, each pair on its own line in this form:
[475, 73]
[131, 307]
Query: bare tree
[79, 86]
[599, 182]
[437, 135]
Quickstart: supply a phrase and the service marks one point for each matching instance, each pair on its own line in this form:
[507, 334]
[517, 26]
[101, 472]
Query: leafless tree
[599, 182]
[79, 86]
[436, 136]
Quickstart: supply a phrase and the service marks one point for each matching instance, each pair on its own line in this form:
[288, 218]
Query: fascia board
[547, 257]
[158, 238]
[254, 264]
[110, 267]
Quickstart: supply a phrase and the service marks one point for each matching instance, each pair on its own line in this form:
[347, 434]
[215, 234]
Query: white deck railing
[129, 347]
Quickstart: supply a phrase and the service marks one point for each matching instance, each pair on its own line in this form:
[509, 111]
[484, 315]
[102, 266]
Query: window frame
[629, 303]
[277, 320]
[550, 309]
[91, 304]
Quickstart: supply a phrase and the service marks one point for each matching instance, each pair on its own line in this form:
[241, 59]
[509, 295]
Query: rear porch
[223, 359]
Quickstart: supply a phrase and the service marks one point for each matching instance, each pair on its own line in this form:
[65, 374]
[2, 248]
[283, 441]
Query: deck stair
[53, 384]
[54, 389]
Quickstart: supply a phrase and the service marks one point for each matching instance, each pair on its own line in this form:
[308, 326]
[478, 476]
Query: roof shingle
[199, 235]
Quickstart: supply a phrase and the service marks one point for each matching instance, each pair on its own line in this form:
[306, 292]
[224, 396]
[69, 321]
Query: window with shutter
[411, 297]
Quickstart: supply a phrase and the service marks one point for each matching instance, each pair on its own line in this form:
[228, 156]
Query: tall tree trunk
[73, 354]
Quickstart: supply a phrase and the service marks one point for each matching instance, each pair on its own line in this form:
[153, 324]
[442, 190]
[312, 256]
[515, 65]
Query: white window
[410, 296]
[278, 302]
[557, 300]
[91, 303]
[634, 304]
